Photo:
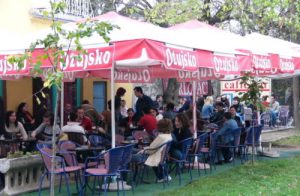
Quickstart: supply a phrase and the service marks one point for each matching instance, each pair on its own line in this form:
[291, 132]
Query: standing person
[142, 101]
[45, 130]
[84, 121]
[123, 108]
[24, 116]
[13, 128]
[118, 98]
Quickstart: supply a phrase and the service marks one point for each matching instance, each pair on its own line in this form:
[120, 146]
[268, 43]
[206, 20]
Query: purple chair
[199, 144]
[59, 168]
[113, 163]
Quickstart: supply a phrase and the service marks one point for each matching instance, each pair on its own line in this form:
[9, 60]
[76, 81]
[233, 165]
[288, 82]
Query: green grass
[273, 177]
[291, 141]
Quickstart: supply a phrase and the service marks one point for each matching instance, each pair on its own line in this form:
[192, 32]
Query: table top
[89, 148]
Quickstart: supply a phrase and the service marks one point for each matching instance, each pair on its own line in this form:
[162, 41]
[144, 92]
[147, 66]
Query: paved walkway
[276, 134]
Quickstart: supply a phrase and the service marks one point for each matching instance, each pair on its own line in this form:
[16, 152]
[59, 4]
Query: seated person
[239, 123]
[156, 114]
[224, 139]
[164, 127]
[217, 117]
[274, 108]
[45, 130]
[239, 108]
[73, 131]
[13, 128]
[208, 108]
[148, 121]
[25, 117]
[128, 123]
[182, 131]
[84, 121]
[169, 113]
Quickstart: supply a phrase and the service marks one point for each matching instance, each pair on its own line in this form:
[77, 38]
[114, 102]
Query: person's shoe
[160, 180]
[169, 178]
[229, 160]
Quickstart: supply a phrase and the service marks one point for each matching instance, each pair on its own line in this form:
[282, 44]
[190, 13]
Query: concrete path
[276, 134]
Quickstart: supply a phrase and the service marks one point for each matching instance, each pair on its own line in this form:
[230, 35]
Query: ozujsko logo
[286, 65]
[68, 75]
[143, 76]
[8, 68]
[226, 64]
[92, 58]
[180, 58]
[261, 63]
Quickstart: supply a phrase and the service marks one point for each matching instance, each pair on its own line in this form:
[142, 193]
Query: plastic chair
[199, 144]
[126, 159]
[208, 154]
[186, 144]
[250, 141]
[59, 168]
[266, 118]
[283, 115]
[113, 163]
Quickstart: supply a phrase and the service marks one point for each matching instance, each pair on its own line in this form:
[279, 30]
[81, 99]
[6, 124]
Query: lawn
[291, 141]
[272, 177]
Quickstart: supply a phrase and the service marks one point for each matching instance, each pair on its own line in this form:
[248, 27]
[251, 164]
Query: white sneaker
[166, 179]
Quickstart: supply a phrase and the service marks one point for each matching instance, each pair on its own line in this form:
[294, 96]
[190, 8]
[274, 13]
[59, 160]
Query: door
[99, 99]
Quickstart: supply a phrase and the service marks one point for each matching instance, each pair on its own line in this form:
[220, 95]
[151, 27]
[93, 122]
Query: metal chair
[185, 144]
[113, 164]
[59, 168]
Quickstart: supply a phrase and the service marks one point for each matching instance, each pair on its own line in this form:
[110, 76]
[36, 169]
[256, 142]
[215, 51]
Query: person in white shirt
[73, 131]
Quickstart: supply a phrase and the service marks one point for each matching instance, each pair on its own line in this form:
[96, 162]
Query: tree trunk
[171, 92]
[296, 101]
[53, 161]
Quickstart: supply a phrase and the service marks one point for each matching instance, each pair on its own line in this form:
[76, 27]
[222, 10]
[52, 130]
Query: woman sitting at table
[73, 131]
[164, 127]
[24, 117]
[182, 131]
[45, 130]
[13, 128]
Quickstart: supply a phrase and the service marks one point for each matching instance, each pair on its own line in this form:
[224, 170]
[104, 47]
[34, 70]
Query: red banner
[94, 59]
[180, 59]
[226, 65]
[12, 69]
[286, 65]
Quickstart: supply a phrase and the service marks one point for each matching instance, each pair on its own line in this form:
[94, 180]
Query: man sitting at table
[217, 117]
[224, 139]
[73, 131]
[84, 121]
[148, 121]
[127, 124]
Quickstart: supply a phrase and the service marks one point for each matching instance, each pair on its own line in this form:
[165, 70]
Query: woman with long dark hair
[13, 128]
[181, 132]
[24, 117]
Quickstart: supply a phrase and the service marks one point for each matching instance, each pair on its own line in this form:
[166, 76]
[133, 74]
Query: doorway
[99, 98]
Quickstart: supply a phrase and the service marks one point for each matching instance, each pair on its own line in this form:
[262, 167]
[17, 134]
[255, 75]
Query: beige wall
[18, 91]
[15, 19]
[88, 90]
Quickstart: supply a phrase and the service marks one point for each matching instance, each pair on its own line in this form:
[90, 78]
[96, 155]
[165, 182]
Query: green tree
[57, 44]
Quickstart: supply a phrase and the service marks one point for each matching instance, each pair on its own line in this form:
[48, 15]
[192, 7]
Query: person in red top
[265, 101]
[84, 121]
[148, 121]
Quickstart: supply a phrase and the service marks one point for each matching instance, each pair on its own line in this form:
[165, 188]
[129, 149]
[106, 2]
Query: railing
[75, 10]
